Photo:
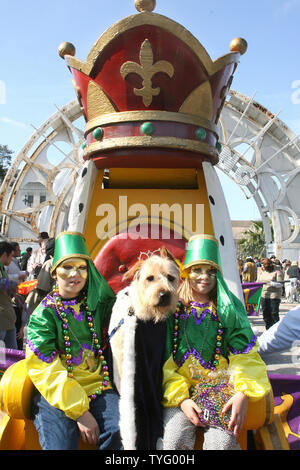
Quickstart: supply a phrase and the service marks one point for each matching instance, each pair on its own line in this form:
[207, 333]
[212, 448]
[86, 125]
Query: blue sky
[36, 78]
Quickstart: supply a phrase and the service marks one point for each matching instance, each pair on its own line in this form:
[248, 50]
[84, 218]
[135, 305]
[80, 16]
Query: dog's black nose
[164, 298]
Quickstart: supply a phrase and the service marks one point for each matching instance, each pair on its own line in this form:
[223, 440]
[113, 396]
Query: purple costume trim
[77, 316]
[247, 348]
[78, 360]
[200, 319]
[48, 359]
[48, 302]
[184, 314]
[41, 356]
[197, 304]
[194, 353]
[209, 365]
[45, 302]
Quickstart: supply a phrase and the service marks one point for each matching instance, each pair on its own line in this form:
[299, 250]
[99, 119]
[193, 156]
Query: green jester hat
[203, 249]
[72, 245]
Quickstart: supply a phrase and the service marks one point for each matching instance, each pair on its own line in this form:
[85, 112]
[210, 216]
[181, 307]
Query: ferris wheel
[262, 155]
[259, 153]
[37, 191]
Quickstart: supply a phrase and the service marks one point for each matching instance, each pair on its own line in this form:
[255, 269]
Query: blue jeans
[58, 432]
[9, 337]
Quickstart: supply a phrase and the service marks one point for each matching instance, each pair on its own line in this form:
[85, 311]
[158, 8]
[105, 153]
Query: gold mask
[199, 271]
[71, 266]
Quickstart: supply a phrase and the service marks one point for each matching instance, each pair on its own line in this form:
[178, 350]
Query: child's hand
[238, 404]
[191, 411]
[88, 428]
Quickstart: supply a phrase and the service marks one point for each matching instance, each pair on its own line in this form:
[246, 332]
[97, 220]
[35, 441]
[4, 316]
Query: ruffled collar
[72, 306]
[196, 310]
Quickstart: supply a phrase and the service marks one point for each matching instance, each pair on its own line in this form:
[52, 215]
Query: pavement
[282, 362]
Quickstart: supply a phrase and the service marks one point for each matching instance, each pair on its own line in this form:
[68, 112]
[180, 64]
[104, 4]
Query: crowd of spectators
[15, 268]
[286, 272]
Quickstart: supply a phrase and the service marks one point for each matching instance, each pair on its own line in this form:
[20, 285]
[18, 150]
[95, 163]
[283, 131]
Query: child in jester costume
[65, 356]
[210, 341]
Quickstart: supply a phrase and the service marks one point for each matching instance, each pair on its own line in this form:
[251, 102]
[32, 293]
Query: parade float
[151, 97]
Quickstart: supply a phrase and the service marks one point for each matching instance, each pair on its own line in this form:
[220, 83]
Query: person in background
[25, 258]
[15, 273]
[277, 265]
[13, 270]
[250, 270]
[240, 268]
[284, 268]
[7, 289]
[293, 273]
[287, 285]
[271, 293]
[37, 259]
[45, 280]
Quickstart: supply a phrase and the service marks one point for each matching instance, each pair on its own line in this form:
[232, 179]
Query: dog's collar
[115, 329]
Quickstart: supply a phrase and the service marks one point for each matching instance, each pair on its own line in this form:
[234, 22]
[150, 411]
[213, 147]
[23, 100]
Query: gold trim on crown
[138, 116]
[147, 141]
[199, 102]
[98, 102]
[144, 18]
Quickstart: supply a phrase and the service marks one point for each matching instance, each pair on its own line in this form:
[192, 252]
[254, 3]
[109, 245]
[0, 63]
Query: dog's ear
[165, 253]
[133, 271]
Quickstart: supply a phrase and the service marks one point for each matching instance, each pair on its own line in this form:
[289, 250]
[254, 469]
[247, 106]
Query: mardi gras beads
[63, 309]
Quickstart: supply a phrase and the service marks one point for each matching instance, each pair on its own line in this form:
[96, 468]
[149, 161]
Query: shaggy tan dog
[149, 299]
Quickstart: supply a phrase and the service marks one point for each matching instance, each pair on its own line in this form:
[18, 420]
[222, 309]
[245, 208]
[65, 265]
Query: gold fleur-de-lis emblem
[147, 69]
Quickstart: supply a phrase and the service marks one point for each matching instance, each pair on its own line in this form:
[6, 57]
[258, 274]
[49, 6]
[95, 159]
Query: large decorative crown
[150, 93]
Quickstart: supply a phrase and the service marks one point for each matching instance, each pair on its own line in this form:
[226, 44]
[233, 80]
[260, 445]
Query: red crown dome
[151, 95]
